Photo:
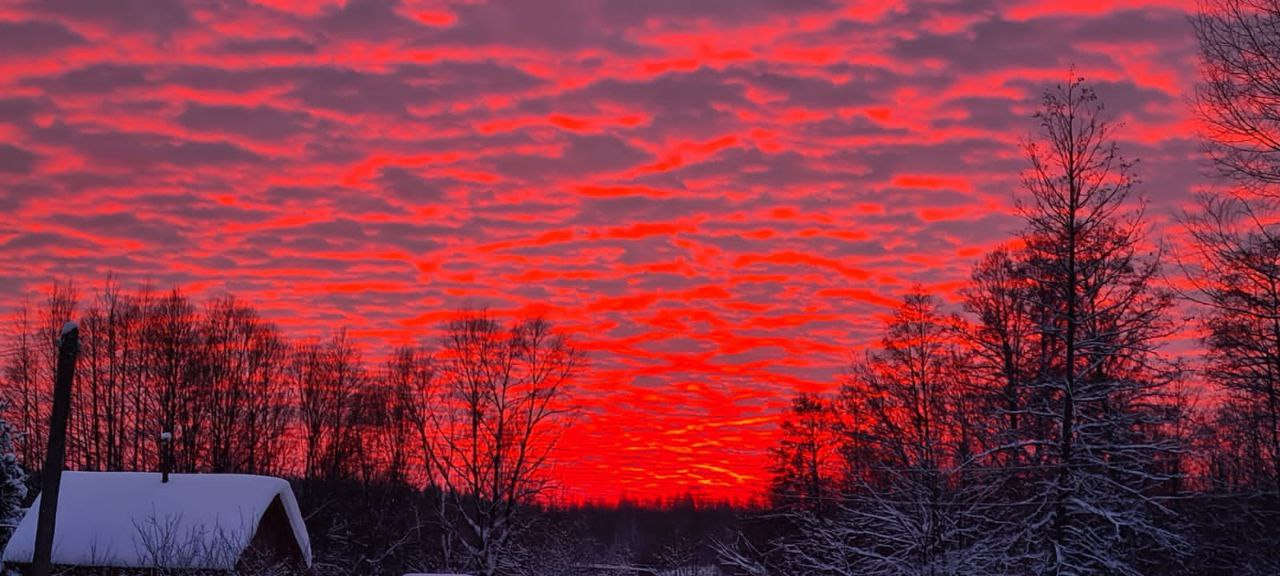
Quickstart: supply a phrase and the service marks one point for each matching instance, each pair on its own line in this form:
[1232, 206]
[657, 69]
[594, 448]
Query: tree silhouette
[1239, 95]
[1101, 388]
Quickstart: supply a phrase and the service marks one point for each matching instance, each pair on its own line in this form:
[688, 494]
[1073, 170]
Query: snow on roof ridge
[132, 519]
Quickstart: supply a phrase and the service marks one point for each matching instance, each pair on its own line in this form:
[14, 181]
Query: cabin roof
[133, 520]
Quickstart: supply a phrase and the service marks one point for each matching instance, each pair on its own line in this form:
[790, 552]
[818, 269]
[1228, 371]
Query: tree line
[434, 458]
[472, 419]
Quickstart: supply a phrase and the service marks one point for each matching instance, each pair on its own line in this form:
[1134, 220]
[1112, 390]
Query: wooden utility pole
[68, 350]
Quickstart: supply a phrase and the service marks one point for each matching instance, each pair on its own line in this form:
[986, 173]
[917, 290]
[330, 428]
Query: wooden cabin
[126, 522]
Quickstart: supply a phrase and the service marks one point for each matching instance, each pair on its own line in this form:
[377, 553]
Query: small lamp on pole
[166, 455]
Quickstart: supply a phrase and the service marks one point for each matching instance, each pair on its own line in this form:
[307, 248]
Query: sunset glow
[720, 200]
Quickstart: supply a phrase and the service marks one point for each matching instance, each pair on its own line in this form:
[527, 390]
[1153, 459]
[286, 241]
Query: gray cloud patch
[144, 149]
[260, 122]
[263, 46]
[35, 37]
[95, 79]
[156, 16]
[14, 160]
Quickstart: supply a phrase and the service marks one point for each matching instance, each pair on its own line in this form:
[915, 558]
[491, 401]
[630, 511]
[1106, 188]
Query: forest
[1049, 417]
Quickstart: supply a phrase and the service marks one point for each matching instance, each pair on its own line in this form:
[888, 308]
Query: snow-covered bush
[13, 487]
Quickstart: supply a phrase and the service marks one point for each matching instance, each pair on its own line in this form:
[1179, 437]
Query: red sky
[720, 198]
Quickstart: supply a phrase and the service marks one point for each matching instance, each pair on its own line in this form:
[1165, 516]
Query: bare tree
[910, 389]
[914, 509]
[914, 499]
[1239, 96]
[141, 402]
[409, 377]
[1004, 341]
[1101, 388]
[30, 365]
[500, 415]
[26, 393]
[170, 342]
[243, 373]
[808, 458]
[327, 377]
[1235, 268]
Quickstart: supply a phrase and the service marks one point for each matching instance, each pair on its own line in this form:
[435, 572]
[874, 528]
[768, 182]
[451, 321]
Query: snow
[133, 520]
[13, 487]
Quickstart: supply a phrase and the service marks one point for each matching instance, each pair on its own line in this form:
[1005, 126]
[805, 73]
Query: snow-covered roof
[133, 520]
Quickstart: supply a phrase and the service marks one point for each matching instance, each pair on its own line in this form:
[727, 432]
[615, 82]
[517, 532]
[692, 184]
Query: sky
[719, 200]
